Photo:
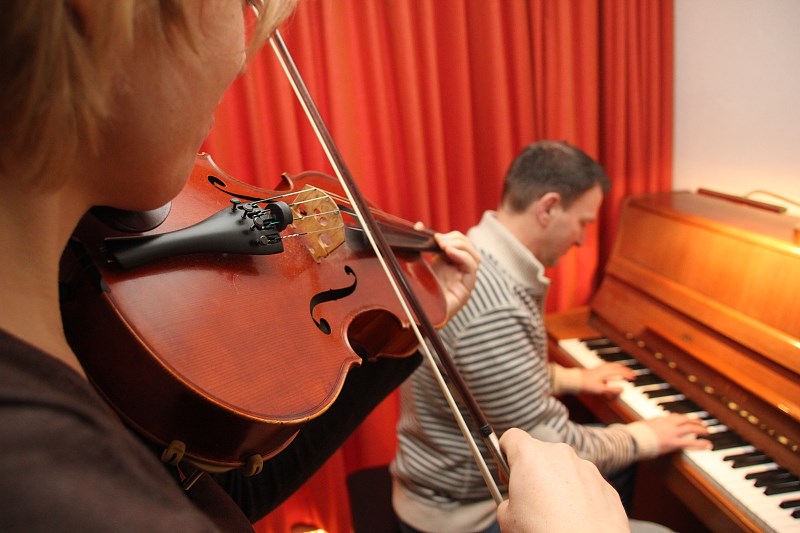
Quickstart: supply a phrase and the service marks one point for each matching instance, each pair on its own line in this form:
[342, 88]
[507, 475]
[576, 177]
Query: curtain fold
[637, 108]
[428, 102]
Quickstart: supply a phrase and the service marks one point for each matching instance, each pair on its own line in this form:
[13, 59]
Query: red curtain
[428, 102]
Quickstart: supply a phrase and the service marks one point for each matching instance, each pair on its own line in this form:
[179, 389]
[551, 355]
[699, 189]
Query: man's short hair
[550, 166]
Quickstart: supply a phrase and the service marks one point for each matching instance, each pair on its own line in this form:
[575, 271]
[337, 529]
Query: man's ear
[545, 205]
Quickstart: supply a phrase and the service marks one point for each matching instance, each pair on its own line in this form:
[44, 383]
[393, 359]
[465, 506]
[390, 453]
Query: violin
[235, 319]
[240, 333]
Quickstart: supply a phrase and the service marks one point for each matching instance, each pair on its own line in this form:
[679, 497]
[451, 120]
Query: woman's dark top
[69, 464]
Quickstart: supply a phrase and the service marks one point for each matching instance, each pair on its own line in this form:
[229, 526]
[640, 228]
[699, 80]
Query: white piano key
[583, 355]
[662, 399]
[718, 428]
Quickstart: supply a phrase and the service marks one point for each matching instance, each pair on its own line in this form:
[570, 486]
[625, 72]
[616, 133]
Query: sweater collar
[492, 238]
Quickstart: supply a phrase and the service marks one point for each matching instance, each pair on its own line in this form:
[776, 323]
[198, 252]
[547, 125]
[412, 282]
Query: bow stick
[398, 281]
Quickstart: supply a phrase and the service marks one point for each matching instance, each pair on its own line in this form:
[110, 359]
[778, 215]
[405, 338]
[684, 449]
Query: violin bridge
[317, 217]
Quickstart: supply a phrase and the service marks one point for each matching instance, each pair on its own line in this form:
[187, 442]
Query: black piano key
[660, 393]
[766, 473]
[783, 488]
[603, 351]
[796, 513]
[599, 342]
[772, 480]
[740, 460]
[681, 406]
[647, 379]
[635, 365]
[612, 349]
[788, 504]
[733, 441]
[725, 440]
[752, 461]
[615, 357]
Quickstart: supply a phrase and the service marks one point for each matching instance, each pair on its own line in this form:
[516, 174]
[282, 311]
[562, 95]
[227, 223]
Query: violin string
[321, 213]
[322, 196]
[295, 80]
[327, 194]
[336, 198]
[301, 202]
[301, 233]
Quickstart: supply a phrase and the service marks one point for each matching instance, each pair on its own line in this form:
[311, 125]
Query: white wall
[737, 97]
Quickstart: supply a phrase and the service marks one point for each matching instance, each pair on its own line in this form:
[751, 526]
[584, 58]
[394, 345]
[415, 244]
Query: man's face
[567, 227]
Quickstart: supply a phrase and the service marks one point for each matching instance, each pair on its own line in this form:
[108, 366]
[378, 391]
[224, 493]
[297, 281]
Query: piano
[701, 296]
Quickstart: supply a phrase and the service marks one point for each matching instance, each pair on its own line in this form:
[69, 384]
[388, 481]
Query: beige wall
[737, 96]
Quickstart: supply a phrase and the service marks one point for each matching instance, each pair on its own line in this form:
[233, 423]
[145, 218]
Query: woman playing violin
[106, 103]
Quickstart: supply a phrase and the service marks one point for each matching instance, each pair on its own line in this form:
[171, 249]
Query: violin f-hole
[330, 296]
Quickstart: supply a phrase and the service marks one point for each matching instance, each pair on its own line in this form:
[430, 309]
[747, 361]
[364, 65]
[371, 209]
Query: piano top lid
[760, 223]
[728, 268]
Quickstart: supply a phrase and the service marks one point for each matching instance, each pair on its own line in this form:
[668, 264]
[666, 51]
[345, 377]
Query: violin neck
[400, 239]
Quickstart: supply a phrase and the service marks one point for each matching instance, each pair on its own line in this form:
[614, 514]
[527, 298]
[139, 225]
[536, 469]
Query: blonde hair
[57, 69]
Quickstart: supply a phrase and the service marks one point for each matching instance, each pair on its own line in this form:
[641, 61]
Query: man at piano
[552, 192]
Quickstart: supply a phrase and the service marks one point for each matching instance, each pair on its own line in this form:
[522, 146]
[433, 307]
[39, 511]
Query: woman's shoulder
[68, 461]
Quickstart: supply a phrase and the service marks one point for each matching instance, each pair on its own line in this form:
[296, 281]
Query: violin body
[222, 357]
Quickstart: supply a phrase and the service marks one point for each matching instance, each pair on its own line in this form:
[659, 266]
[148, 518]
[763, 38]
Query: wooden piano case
[706, 293]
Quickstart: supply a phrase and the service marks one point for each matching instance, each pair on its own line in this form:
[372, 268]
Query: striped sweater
[498, 342]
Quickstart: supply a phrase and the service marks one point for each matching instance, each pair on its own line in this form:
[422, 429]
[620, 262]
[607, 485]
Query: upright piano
[701, 297]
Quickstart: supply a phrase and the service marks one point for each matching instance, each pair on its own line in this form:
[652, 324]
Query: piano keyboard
[766, 492]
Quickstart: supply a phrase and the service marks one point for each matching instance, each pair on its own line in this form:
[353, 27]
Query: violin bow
[398, 281]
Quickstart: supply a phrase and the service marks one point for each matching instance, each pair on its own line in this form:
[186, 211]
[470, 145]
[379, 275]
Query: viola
[218, 333]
